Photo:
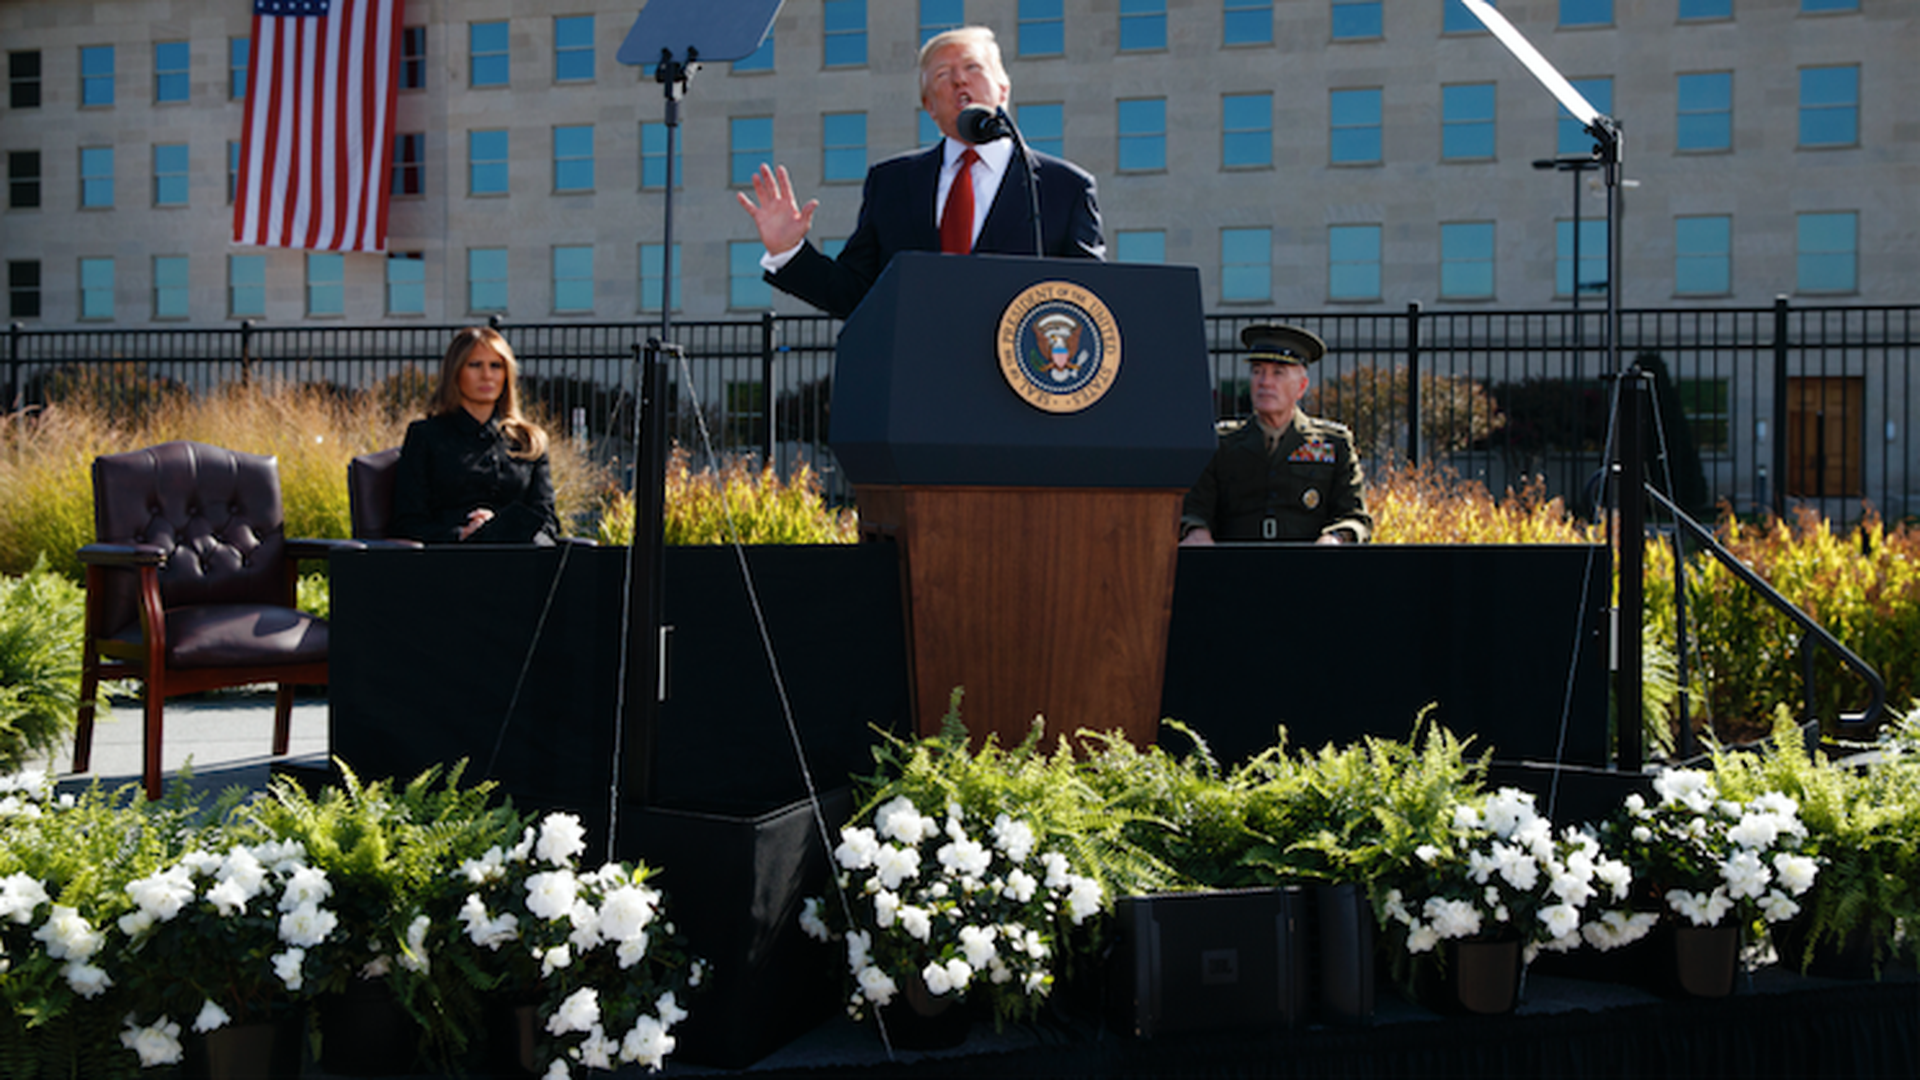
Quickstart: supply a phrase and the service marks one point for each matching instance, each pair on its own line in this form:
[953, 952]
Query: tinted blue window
[1829, 106]
[1041, 126]
[1706, 9]
[326, 283]
[172, 77]
[937, 16]
[170, 286]
[746, 289]
[487, 279]
[1143, 135]
[1140, 246]
[650, 282]
[1827, 250]
[1042, 28]
[1702, 256]
[246, 285]
[406, 283]
[653, 158]
[96, 177]
[1143, 25]
[1593, 257]
[1247, 22]
[170, 174]
[1354, 136]
[487, 49]
[486, 163]
[1467, 121]
[846, 33]
[1586, 12]
[573, 278]
[1353, 262]
[1356, 19]
[762, 57]
[751, 143]
[237, 60]
[96, 288]
[573, 49]
[1246, 130]
[96, 75]
[1815, 6]
[573, 158]
[1458, 20]
[843, 146]
[1246, 264]
[1466, 260]
[1703, 111]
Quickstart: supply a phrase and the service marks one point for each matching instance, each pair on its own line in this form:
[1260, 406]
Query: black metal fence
[1761, 407]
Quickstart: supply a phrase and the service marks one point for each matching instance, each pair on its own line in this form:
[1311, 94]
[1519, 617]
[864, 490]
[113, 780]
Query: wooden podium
[1024, 429]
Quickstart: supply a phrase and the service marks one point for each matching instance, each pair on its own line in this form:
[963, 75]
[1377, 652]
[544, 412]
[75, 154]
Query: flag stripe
[317, 142]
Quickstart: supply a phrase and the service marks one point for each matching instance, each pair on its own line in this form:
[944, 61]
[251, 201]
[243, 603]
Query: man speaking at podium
[918, 201]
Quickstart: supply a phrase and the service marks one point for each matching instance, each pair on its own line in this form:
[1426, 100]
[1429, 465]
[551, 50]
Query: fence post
[246, 352]
[13, 366]
[1779, 485]
[767, 412]
[1413, 382]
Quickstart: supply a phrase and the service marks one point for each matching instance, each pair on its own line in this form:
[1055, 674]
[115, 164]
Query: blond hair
[526, 440]
[965, 35]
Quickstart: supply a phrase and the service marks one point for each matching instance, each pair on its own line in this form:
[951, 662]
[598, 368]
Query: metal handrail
[1862, 723]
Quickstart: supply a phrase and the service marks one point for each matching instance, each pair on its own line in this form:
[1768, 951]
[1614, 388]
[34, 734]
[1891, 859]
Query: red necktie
[956, 222]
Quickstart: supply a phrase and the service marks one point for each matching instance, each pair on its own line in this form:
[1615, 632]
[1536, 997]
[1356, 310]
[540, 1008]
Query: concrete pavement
[227, 737]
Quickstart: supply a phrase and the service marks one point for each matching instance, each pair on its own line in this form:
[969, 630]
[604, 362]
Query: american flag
[319, 128]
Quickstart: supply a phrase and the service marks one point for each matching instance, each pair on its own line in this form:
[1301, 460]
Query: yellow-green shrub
[1429, 504]
[764, 508]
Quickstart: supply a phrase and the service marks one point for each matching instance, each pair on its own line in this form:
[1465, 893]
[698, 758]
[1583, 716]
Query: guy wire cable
[773, 669]
[526, 661]
[1579, 633]
[618, 755]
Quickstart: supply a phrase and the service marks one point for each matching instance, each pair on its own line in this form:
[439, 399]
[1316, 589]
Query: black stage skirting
[1785, 1027]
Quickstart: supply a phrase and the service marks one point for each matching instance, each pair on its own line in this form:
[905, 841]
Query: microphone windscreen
[978, 124]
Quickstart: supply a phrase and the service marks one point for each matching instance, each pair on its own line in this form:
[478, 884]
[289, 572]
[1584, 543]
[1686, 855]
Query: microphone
[978, 124]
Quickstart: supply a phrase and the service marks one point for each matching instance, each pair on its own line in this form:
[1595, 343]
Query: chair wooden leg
[282, 718]
[83, 722]
[154, 701]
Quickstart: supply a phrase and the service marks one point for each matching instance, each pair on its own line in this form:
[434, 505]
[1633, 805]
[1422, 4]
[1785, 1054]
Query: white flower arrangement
[958, 908]
[593, 949]
[1501, 872]
[234, 928]
[1708, 857]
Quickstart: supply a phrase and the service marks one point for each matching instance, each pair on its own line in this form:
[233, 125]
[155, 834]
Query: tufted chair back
[214, 512]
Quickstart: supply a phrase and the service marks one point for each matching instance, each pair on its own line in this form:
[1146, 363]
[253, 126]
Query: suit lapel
[923, 185]
[1007, 230]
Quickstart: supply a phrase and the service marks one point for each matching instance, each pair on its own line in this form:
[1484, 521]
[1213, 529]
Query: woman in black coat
[475, 469]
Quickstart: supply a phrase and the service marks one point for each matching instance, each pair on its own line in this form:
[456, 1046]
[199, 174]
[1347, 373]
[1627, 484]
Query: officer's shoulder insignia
[1223, 428]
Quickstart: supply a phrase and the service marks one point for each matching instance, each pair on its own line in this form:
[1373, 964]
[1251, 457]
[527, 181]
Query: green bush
[40, 623]
[707, 507]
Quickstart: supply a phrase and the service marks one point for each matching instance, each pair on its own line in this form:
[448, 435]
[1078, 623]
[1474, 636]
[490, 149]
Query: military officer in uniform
[1283, 475]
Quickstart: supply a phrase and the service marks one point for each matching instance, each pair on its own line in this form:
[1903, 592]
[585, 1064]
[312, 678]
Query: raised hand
[778, 216]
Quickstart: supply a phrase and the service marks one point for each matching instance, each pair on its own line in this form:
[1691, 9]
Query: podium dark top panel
[919, 396]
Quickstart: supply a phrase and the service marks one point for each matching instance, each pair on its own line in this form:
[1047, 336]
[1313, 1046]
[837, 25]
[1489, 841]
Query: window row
[1826, 258]
[173, 71]
[1826, 262]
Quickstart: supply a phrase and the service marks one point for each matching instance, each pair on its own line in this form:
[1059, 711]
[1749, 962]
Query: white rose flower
[966, 858]
[306, 885]
[810, 920]
[554, 959]
[859, 948]
[1020, 886]
[934, 975]
[1616, 928]
[488, 867]
[1013, 837]
[228, 897]
[561, 838]
[1057, 877]
[900, 820]
[287, 966]
[307, 925]
[68, 936]
[632, 951]
[1451, 918]
[875, 985]
[1746, 875]
[211, 1017]
[885, 905]
[1560, 920]
[163, 894]
[1422, 938]
[550, 894]
[414, 956]
[647, 1044]
[580, 1011]
[959, 974]
[895, 865]
[557, 1070]
[669, 1010]
[1755, 831]
[1796, 872]
[857, 848]
[977, 943]
[20, 895]
[1083, 899]
[916, 921]
[85, 979]
[1776, 906]
[627, 910]
[135, 922]
[1426, 853]
[158, 1044]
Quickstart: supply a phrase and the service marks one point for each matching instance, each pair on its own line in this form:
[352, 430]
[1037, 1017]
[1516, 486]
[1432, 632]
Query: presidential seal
[1059, 347]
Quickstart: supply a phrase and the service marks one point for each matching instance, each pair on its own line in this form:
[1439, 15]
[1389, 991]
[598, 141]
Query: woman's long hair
[525, 439]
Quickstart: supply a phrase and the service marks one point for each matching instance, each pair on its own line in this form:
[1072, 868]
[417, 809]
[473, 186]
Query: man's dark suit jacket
[896, 214]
